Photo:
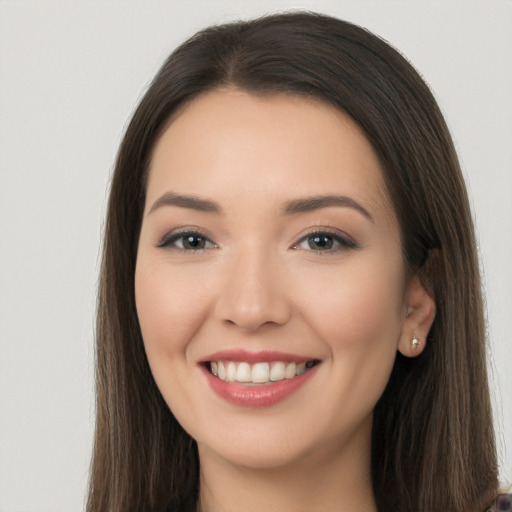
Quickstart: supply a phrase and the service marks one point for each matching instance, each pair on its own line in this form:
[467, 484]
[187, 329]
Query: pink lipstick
[256, 379]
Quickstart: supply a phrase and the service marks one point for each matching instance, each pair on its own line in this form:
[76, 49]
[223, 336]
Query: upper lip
[251, 357]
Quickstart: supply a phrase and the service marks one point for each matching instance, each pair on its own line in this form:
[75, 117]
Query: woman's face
[270, 285]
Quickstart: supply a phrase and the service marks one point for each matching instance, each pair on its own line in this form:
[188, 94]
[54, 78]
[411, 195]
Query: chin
[274, 447]
[256, 456]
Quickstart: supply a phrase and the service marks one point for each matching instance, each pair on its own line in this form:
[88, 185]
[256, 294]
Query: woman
[290, 314]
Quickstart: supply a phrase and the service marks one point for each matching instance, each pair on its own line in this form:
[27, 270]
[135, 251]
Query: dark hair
[433, 445]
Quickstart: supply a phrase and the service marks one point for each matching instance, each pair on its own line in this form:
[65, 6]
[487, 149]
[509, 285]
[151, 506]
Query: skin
[259, 283]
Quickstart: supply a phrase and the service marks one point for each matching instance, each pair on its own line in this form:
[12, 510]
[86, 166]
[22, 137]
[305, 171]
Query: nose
[252, 293]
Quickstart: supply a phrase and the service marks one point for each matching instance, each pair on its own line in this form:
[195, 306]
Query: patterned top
[503, 503]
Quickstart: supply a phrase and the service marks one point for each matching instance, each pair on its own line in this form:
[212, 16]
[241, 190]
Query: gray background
[71, 73]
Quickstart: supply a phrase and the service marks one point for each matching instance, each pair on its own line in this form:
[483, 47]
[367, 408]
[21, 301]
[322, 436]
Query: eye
[187, 241]
[324, 241]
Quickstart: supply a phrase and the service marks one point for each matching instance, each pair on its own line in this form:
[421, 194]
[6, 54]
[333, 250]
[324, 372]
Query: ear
[420, 312]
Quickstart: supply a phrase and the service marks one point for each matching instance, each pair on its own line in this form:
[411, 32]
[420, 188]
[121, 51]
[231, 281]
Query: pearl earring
[415, 343]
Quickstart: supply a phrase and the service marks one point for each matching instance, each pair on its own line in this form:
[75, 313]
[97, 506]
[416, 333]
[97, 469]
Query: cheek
[359, 316]
[170, 312]
[169, 309]
[362, 307]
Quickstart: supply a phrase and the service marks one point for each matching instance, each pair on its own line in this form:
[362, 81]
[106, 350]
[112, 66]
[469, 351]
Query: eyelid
[172, 236]
[345, 241]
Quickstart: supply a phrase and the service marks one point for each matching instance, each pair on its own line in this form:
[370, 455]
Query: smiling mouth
[261, 373]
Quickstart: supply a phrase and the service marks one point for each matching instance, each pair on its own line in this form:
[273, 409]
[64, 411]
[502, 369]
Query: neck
[338, 479]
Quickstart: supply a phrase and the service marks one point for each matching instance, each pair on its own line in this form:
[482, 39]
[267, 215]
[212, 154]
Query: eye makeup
[323, 240]
[187, 239]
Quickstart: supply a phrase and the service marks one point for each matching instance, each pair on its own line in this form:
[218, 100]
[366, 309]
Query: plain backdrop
[71, 72]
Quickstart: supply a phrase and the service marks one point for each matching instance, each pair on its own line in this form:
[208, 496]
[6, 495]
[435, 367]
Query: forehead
[276, 147]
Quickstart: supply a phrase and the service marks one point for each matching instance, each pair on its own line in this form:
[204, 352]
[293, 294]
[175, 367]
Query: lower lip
[257, 396]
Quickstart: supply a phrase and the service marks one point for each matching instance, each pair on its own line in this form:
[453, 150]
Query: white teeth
[221, 370]
[277, 372]
[231, 371]
[244, 373]
[258, 373]
[290, 371]
[301, 368]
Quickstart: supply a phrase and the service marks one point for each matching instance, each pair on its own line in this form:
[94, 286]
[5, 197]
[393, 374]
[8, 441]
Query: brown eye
[193, 242]
[320, 242]
[325, 242]
[187, 241]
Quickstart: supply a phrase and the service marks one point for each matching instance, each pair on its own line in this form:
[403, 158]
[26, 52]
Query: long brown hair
[433, 446]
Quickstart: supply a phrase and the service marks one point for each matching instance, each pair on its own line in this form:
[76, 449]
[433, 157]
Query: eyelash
[339, 241]
[342, 241]
[170, 240]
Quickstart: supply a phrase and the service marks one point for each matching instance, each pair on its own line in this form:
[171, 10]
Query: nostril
[249, 300]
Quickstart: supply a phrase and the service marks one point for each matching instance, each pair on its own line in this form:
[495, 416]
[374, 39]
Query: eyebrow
[292, 207]
[186, 201]
[317, 202]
